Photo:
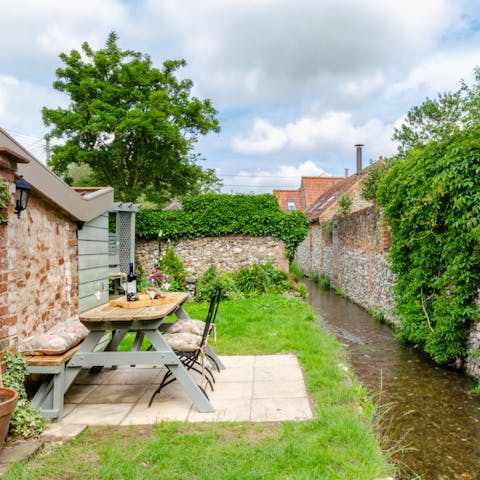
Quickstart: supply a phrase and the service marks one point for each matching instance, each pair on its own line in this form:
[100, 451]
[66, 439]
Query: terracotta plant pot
[8, 402]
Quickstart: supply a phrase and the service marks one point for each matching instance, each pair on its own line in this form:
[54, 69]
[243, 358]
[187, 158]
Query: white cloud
[264, 181]
[266, 49]
[37, 32]
[263, 139]
[333, 130]
[20, 106]
[341, 70]
[439, 72]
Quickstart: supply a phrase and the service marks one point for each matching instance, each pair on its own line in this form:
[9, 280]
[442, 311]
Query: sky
[296, 83]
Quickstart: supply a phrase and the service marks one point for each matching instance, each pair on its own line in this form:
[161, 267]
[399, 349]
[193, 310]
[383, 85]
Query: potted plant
[8, 402]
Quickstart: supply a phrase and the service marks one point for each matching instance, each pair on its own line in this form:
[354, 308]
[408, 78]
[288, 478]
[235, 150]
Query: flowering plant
[158, 278]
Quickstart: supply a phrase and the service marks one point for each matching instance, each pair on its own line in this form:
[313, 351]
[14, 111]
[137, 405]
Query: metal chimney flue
[359, 146]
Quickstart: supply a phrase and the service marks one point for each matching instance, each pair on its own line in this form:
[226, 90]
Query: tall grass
[339, 444]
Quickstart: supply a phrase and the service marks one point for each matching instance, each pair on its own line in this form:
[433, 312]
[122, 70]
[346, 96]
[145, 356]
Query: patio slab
[264, 388]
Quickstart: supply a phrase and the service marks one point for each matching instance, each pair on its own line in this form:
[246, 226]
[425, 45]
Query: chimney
[346, 172]
[359, 146]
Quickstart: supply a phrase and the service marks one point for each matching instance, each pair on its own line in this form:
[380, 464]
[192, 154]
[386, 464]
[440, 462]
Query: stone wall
[354, 255]
[472, 362]
[228, 253]
[38, 270]
[356, 260]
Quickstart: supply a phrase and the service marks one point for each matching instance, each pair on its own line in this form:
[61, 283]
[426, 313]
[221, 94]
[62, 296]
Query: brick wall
[228, 253]
[38, 270]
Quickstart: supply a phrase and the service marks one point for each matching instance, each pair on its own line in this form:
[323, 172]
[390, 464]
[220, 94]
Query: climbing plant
[432, 200]
[4, 199]
[345, 203]
[213, 215]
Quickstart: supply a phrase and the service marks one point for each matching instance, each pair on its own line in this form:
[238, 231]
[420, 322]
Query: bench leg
[49, 397]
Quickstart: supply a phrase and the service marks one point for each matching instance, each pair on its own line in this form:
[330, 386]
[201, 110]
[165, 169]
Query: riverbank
[431, 410]
[339, 444]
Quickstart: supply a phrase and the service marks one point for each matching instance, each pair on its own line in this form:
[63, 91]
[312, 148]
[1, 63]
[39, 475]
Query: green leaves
[213, 215]
[135, 125]
[4, 199]
[432, 200]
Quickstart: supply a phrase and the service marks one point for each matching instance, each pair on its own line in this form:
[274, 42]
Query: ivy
[214, 215]
[4, 199]
[432, 200]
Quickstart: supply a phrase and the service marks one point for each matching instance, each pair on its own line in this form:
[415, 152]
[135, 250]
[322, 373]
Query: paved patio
[266, 388]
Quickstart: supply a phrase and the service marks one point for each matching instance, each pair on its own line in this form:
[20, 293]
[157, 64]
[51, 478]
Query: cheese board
[123, 303]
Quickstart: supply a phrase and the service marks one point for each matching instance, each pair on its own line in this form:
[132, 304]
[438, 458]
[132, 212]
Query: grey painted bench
[50, 396]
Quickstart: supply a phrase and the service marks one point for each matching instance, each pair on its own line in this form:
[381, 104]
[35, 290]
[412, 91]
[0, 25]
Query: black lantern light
[22, 192]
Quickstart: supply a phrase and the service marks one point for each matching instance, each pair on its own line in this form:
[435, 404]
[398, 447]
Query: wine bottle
[131, 283]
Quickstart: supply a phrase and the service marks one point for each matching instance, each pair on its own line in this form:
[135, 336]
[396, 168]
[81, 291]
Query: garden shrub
[207, 284]
[246, 282]
[172, 266]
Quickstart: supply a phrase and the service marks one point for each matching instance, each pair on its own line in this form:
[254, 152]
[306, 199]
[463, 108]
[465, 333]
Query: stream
[429, 408]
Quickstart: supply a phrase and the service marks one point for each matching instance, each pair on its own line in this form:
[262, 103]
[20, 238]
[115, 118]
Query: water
[431, 410]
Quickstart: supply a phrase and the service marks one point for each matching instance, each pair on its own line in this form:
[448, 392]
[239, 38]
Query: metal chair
[193, 357]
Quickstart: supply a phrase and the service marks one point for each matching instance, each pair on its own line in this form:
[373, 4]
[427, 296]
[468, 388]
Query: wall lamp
[22, 192]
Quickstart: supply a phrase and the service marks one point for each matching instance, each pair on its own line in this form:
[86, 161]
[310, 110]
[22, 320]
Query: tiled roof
[314, 187]
[327, 204]
[310, 189]
[285, 196]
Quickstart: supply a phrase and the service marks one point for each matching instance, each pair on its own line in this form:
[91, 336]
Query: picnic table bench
[49, 397]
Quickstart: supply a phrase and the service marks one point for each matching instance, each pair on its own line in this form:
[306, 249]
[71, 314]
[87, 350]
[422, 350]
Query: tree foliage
[432, 200]
[134, 125]
[436, 119]
[214, 215]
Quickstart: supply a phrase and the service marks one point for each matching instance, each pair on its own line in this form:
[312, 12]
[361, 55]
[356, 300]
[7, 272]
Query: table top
[111, 313]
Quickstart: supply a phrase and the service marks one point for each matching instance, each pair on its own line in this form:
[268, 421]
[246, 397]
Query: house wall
[38, 270]
[228, 253]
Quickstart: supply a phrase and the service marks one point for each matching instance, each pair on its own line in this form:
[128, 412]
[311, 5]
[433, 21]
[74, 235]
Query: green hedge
[215, 215]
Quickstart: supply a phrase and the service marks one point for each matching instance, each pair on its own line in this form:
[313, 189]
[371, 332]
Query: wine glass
[124, 284]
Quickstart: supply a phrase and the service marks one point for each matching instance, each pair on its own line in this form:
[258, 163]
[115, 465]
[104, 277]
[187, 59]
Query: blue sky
[296, 84]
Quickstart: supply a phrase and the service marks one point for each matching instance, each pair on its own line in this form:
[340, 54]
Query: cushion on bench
[55, 341]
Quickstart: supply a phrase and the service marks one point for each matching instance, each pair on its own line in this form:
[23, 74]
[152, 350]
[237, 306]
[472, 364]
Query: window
[291, 205]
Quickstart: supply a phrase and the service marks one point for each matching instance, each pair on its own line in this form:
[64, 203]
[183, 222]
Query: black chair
[193, 355]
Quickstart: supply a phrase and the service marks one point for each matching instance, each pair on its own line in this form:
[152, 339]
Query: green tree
[134, 125]
[436, 119]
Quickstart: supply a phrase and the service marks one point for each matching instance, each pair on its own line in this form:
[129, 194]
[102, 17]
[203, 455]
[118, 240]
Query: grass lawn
[339, 444]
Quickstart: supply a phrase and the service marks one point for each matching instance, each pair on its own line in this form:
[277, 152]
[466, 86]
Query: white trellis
[122, 242]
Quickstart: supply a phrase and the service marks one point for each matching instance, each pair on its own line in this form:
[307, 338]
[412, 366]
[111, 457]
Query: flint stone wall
[472, 362]
[228, 253]
[356, 260]
[354, 255]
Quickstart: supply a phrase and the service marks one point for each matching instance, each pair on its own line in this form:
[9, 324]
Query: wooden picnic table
[144, 321]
